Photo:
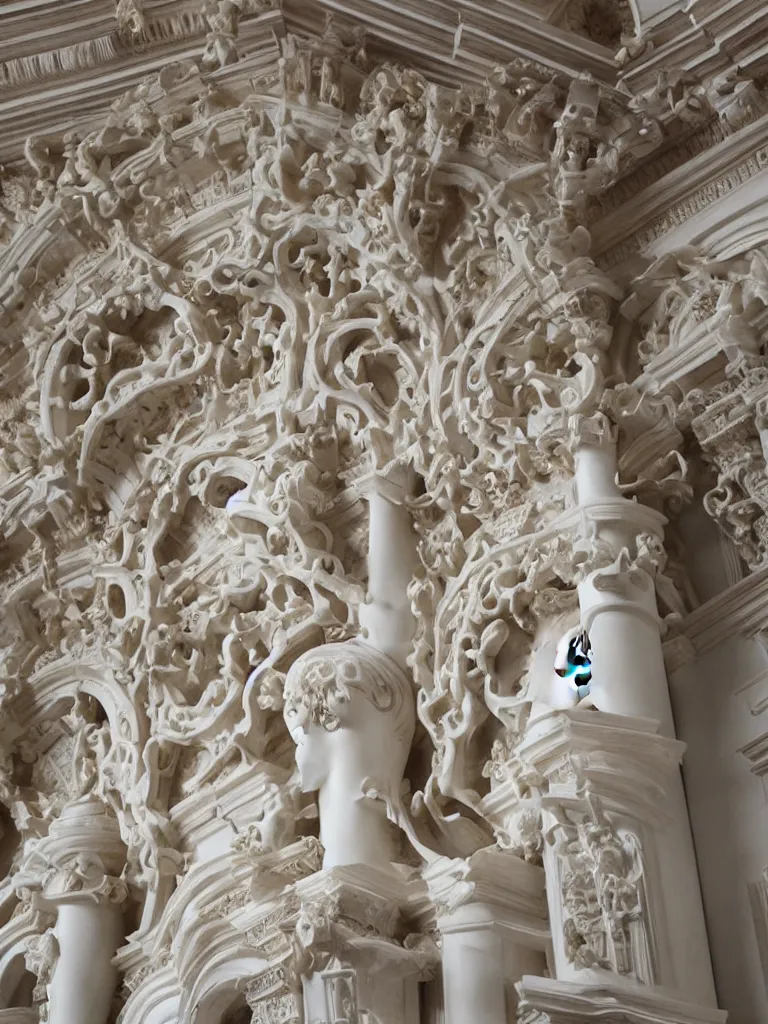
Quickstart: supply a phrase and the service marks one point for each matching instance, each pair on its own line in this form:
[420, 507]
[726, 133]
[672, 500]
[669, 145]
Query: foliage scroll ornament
[220, 306]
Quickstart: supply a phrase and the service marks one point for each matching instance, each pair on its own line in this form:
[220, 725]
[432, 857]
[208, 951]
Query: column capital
[81, 858]
[509, 886]
[594, 431]
[392, 482]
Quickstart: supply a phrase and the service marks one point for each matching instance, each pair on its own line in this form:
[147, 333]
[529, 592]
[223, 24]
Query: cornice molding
[71, 86]
[603, 997]
[707, 37]
[708, 175]
[61, 73]
[742, 610]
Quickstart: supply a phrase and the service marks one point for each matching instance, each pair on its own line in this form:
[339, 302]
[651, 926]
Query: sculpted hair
[322, 678]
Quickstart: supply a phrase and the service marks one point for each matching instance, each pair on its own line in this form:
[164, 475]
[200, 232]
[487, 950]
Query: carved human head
[349, 705]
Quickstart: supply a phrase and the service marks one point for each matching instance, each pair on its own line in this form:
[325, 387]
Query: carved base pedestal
[621, 875]
[341, 943]
[491, 913]
[367, 957]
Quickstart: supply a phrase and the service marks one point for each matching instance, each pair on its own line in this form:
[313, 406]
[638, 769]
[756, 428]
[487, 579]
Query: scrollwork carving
[227, 302]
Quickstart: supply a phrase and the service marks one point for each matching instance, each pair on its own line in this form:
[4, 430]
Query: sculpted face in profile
[350, 711]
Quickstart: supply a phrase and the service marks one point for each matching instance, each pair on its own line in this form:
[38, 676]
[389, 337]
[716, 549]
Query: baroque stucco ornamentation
[323, 421]
[602, 896]
[321, 680]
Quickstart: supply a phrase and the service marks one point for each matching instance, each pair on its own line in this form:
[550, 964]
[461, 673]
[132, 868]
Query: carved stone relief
[325, 430]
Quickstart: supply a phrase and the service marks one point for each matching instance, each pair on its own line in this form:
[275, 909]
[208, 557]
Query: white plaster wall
[716, 565]
[729, 812]
[653, 10]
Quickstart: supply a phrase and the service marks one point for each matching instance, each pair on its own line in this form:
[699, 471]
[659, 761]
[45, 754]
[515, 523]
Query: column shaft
[473, 967]
[84, 980]
[618, 610]
[386, 617]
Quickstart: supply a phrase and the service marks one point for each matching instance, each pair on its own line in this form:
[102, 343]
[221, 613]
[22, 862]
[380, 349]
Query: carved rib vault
[383, 512]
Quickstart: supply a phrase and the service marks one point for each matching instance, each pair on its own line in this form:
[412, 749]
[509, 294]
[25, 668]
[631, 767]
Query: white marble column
[618, 611]
[629, 686]
[350, 708]
[74, 872]
[473, 967]
[492, 918]
[629, 679]
[618, 603]
[386, 619]
[88, 933]
[622, 884]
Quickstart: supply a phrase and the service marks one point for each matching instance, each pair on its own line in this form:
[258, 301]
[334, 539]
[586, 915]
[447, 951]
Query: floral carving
[269, 269]
[602, 885]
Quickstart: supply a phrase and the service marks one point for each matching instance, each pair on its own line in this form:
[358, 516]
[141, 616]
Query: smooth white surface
[473, 971]
[727, 805]
[84, 979]
[628, 675]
